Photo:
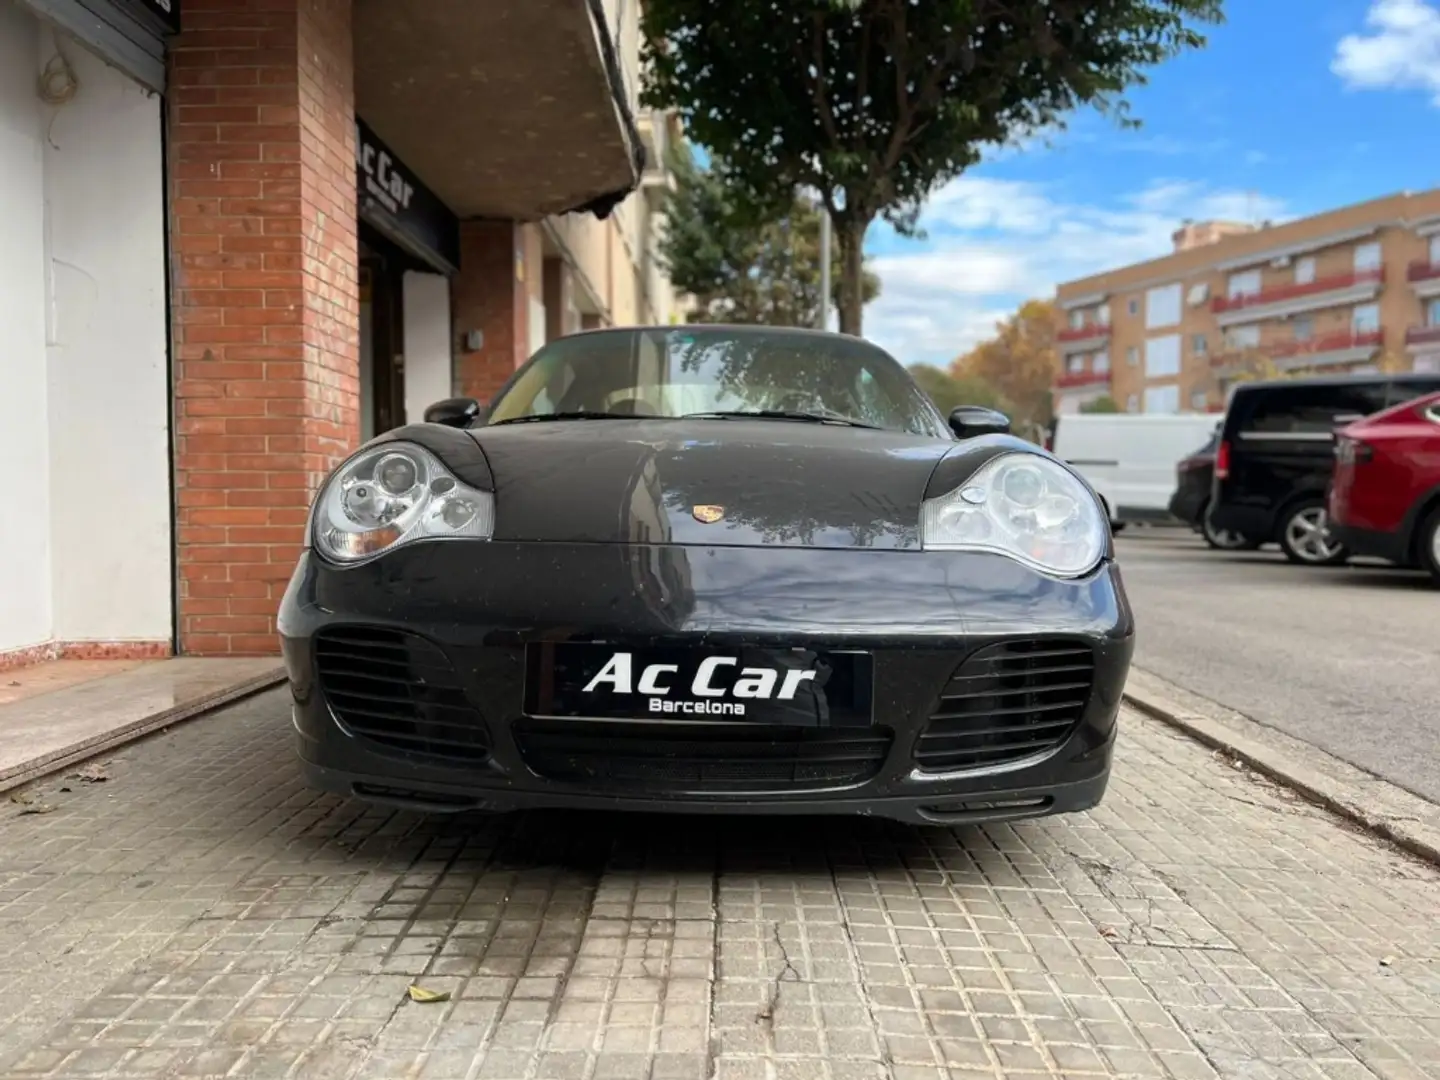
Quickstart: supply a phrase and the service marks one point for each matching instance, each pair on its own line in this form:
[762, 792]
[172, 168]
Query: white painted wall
[108, 381]
[429, 374]
[26, 616]
[85, 555]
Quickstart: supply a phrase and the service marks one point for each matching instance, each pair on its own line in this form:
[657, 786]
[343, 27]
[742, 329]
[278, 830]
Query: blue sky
[1296, 106]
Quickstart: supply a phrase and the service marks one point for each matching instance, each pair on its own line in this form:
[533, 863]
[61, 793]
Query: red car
[1385, 493]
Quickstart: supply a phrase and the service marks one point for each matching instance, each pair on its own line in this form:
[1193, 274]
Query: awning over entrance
[508, 110]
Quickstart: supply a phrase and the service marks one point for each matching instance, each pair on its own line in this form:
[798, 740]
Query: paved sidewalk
[200, 913]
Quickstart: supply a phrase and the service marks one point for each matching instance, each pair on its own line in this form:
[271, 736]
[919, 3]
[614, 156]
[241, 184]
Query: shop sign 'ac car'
[716, 569]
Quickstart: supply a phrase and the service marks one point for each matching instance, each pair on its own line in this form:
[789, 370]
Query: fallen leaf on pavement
[23, 798]
[1386, 961]
[426, 997]
[39, 808]
[91, 774]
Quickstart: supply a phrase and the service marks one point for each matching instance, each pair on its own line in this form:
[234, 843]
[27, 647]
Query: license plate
[746, 685]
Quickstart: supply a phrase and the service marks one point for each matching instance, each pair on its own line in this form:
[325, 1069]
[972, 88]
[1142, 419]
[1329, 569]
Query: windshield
[710, 370]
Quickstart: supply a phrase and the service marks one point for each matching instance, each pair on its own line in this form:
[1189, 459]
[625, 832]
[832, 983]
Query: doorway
[382, 334]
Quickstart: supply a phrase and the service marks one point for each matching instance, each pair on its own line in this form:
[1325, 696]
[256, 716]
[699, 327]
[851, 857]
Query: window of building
[1133, 307]
[1162, 399]
[1435, 250]
[1246, 283]
[1075, 364]
[1198, 344]
[1367, 256]
[1305, 271]
[1132, 404]
[1132, 356]
[1243, 337]
[1162, 306]
[1077, 319]
[1102, 314]
[1199, 400]
[1100, 363]
[1365, 319]
[1162, 357]
[1304, 327]
[1432, 312]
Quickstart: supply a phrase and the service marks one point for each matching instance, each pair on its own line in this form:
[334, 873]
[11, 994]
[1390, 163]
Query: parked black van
[1276, 455]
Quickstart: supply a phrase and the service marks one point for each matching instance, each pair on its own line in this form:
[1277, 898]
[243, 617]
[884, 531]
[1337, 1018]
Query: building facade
[239, 238]
[1355, 289]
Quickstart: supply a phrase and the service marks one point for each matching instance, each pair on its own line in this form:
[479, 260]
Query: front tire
[1427, 545]
[1223, 539]
[1305, 536]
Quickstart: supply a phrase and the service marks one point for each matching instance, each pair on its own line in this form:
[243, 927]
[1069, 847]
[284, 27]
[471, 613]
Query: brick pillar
[488, 295]
[266, 309]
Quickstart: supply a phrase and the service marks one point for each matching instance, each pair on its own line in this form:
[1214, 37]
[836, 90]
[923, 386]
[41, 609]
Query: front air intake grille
[1007, 702]
[700, 758]
[399, 691]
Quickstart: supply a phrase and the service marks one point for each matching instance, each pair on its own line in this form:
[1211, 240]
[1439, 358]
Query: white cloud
[996, 243]
[1401, 51]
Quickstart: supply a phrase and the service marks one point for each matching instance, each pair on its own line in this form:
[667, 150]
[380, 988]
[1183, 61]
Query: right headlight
[394, 494]
[1024, 506]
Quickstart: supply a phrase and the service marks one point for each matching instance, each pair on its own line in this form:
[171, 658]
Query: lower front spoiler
[920, 809]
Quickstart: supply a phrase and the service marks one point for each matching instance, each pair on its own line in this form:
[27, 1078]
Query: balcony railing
[1280, 350]
[1082, 333]
[1072, 379]
[1281, 293]
[1422, 270]
[1422, 335]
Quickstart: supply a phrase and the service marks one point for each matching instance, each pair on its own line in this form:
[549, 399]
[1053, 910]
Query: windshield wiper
[779, 414]
[578, 414]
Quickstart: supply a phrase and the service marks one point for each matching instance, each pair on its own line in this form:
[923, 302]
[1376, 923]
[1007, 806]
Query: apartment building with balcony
[1353, 289]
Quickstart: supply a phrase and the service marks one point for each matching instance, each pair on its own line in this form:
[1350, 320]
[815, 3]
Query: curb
[1361, 798]
[49, 764]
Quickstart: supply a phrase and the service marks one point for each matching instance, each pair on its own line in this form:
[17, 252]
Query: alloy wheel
[1224, 539]
[1308, 536]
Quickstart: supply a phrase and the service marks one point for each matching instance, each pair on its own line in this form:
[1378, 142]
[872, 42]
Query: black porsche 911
[706, 568]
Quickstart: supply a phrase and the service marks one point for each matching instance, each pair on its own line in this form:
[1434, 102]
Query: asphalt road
[1346, 659]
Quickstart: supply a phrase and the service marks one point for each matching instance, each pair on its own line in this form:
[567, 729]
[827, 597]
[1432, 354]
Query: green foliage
[876, 103]
[741, 265]
[1104, 404]
[947, 391]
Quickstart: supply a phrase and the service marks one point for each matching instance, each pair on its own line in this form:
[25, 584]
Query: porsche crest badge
[708, 515]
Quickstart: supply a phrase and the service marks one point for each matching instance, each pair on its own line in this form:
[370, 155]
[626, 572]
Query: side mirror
[460, 412]
[968, 421]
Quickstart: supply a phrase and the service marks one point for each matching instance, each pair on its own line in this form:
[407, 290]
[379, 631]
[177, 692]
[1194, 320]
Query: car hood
[775, 482]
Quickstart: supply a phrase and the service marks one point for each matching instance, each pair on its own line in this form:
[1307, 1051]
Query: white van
[1130, 458]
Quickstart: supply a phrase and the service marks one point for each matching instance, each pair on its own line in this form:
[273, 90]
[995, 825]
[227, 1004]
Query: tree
[947, 391]
[1021, 362]
[740, 267]
[876, 103]
[1103, 404]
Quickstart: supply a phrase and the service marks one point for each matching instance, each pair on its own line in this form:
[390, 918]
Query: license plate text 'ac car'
[743, 685]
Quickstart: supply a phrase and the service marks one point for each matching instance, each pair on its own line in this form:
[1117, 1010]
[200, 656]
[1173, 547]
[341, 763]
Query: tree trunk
[851, 235]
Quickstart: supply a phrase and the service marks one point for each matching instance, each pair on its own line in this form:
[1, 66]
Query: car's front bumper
[469, 610]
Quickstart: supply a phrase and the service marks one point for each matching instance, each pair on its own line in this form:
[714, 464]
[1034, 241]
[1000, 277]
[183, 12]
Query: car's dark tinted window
[1312, 409]
[1410, 389]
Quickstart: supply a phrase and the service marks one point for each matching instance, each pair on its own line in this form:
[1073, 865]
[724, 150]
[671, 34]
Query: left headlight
[1024, 506]
[395, 494]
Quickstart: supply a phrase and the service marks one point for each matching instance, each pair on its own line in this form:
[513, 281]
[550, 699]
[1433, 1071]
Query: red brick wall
[486, 296]
[262, 185]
